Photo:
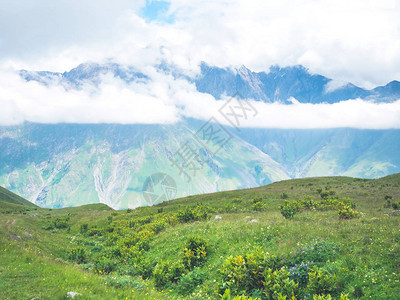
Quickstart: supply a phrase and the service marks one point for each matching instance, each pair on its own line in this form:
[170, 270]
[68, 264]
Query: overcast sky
[356, 41]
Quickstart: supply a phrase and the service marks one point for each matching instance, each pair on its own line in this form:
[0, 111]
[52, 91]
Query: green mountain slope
[10, 197]
[238, 240]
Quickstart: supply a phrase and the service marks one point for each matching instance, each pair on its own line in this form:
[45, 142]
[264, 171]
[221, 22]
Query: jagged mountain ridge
[278, 84]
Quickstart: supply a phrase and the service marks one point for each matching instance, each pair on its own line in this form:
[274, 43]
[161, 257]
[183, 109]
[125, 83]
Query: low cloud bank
[164, 100]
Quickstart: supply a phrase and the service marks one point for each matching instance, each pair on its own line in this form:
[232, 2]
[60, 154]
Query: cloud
[164, 100]
[353, 41]
[356, 41]
[111, 102]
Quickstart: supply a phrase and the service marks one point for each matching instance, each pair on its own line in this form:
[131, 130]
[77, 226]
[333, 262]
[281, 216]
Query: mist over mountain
[58, 165]
[280, 84]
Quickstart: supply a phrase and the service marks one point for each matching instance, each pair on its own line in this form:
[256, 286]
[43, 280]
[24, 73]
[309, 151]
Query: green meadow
[313, 238]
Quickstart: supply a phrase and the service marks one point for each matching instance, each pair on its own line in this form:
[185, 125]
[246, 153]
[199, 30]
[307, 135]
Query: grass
[9, 197]
[35, 256]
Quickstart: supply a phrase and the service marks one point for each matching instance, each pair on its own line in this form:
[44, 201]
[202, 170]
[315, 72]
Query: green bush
[299, 273]
[347, 212]
[195, 252]
[227, 296]
[245, 274]
[315, 253]
[84, 228]
[166, 272]
[188, 282]
[284, 196]
[257, 199]
[258, 206]
[396, 205]
[159, 225]
[105, 265]
[78, 255]
[319, 282]
[278, 284]
[61, 223]
[289, 209]
[324, 194]
[95, 231]
[161, 273]
[198, 213]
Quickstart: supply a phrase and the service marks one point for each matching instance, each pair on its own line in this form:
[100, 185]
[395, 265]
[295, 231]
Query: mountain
[326, 152]
[9, 197]
[281, 84]
[123, 165]
[62, 165]
[278, 84]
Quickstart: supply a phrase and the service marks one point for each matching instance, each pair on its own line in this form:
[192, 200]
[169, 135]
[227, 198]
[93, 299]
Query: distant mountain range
[58, 165]
[279, 84]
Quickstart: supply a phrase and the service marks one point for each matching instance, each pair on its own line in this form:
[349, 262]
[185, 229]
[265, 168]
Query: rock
[247, 217]
[34, 215]
[27, 235]
[15, 237]
[217, 217]
[73, 295]
[254, 221]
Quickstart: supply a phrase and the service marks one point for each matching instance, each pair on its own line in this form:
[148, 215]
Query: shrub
[190, 281]
[299, 273]
[166, 272]
[161, 274]
[227, 296]
[319, 282]
[195, 252]
[84, 227]
[198, 213]
[257, 199]
[104, 265]
[329, 297]
[78, 255]
[159, 225]
[143, 267]
[388, 197]
[246, 273]
[319, 190]
[324, 194]
[95, 231]
[61, 223]
[322, 297]
[347, 212]
[288, 210]
[258, 206]
[278, 284]
[284, 196]
[396, 205]
[318, 252]
[235, 274]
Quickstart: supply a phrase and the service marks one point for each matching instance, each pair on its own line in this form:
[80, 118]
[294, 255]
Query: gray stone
[73, 295]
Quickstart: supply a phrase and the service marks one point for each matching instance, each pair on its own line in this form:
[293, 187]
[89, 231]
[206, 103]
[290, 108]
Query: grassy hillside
[200, 246]
[10, 197]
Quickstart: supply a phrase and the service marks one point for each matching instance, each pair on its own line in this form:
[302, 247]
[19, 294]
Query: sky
[349, 41]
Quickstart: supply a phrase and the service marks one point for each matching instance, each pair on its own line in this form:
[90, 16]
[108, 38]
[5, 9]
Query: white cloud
[356, 41]
[164, 99]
